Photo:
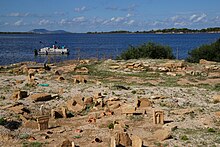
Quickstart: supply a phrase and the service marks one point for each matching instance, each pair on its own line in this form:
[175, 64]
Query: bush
[208, 52]
[184, 137]
[150, 50]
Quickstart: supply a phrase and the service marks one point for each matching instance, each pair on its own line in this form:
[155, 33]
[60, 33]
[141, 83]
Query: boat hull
[52, 51]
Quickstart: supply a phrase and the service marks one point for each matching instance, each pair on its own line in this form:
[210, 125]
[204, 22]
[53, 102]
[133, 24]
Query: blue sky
[107, 15]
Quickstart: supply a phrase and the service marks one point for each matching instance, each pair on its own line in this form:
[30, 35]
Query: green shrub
[211, 130]
[2, 121]
[24, 136]
[111, 126]
[32, 144]
[184, 137]
[208, 52]
[150, 50]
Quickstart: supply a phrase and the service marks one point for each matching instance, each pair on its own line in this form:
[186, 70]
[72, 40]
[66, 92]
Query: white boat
[55, 50]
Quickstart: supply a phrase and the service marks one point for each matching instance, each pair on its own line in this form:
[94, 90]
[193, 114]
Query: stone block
[66, 143]
[158, 117]
[43, 122]
[122, 139]
[56, 114]
[128, 110]
[19, 94]
[142, 103]
[82, 70]
[73, 106]
[216, 98]
[79, 79]
[113, 142]
[64, 112]
[41, 97]
[162, 134]
[31, 124]
[136, 141]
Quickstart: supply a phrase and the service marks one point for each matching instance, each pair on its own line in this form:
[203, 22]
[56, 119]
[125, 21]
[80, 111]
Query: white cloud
[130, 22]
[19, 23]
[200, 18]
[128, 15]
[193, 17]
[44, 22]
[81, 9]
[180, 24]
[79, 19]
[17, 14]
[174, 18]
[197, 18]
[119, 19]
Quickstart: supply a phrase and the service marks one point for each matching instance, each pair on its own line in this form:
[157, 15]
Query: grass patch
[184, 138]
[136, 117]
[23, 136]
[211, 130]
[77, 136]
[2, 97]
[2, 121]
[111, 126]
[32, 144]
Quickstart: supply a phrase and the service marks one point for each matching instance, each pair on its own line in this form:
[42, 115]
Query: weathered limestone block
[19, 109]
[66, 143]
[59, 113]
[56, 114]
[142, 103]
[128, 109]
[136, 141]
[60, 78]
[82, 70]
[113, 104]
[216, 98]
[158, 117]
[43, 122]
[19, 94]
[203, 61]
[88, 100]
[80, 79]
[31, 124]
[162, 134]
[123, 139]
[73, 106]
[41, 97]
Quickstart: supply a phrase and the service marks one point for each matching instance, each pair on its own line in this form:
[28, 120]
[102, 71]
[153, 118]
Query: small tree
[150, 50]
[209, 52]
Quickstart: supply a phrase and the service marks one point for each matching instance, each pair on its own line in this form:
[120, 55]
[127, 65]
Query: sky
[107, 15]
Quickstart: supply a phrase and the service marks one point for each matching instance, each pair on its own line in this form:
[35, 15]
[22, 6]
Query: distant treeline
[161, 31]
[16, 33]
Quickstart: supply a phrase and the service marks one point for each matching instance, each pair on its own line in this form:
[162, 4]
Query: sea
[16, 48]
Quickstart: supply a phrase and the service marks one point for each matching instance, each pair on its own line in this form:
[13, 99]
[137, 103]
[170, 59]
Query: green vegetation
[77, 136]
[2, 97]
[184, 137]
[16, 33]
[211, 130]
[171, 30]
[24, 136]
[111, 126]
[208, 52]
[150, 50]
[136, 117]
[2, 121]
[32, 144]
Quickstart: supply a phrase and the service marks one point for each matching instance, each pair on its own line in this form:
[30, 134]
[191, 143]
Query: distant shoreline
[214, 30]
[8, 33]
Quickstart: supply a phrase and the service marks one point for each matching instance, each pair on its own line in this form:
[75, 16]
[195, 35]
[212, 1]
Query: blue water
[20, 47]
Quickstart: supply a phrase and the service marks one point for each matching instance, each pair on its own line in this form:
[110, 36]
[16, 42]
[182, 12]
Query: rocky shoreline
[108, 103]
